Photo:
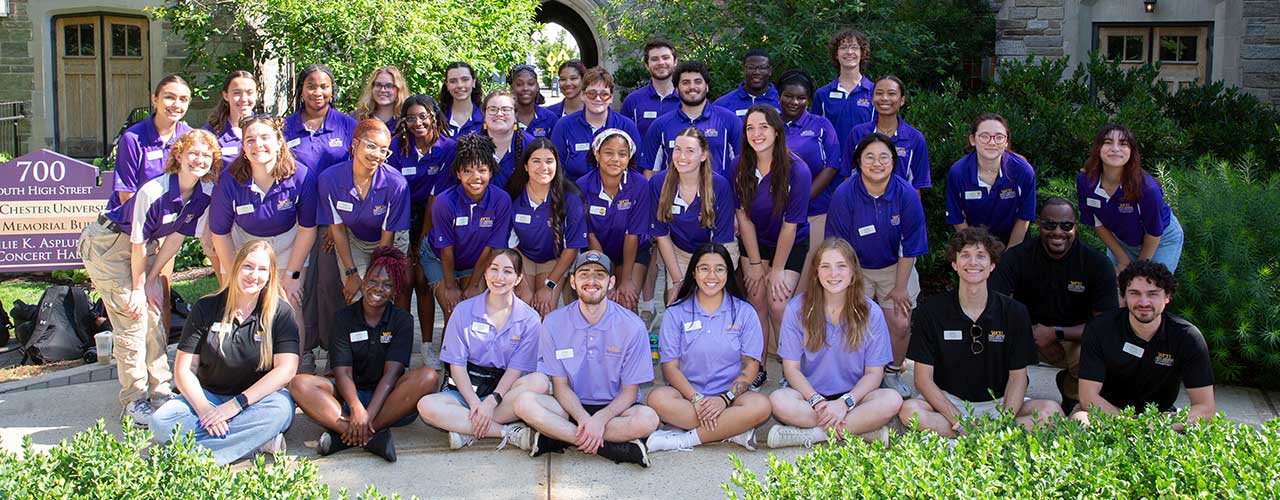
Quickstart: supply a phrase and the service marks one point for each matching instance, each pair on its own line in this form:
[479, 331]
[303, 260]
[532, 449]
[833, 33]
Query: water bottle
[102, 341]
[653, 345]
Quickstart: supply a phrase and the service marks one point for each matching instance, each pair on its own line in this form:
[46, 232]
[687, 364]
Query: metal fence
[12, 114]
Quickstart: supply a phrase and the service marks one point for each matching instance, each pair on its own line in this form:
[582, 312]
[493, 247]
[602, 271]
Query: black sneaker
[761, 377]
[632, 452]
[382, 446]
[543, 443]
[330, 443]
[1068, 403]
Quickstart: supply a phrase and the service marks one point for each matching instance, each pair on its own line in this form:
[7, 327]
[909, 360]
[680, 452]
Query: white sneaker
[782, 436]
[894, 381]
[517, 434]
[459, 440]
[140, 410]
[275, 447]
[667, 440]
[881, 435]
[746, 440]
[431, 357]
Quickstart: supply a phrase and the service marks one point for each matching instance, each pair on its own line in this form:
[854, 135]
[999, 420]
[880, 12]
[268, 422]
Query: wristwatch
[551, 285]
[242, 400]
[1062, 335]
[697, 397]
[730, 395]
[815, 399]
[849, 403]
[497, 396]
[350, 271]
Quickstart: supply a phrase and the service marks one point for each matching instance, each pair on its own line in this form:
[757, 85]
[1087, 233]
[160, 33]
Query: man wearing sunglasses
[971, 347]
[1063, 284]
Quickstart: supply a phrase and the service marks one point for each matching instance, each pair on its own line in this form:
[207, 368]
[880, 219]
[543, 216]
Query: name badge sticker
[461, 221]
[564, 353]
[523, 218]
[676, 209]
[650, 114]
[867, 230]
[230, 151]
[257, 337]
[952, 335]
[344, 206]
[1093, 202]
[360, 336]
[597, 210]
[407, 171]
[973, 195]
[244, 209]
[155, 154]
[836, 95]
[168, 218]
[742, 112]
[335, 142]
[220, 327]
[582, 146]
[480, 327]
[1133, 350]
[293, 143]
[693, 325]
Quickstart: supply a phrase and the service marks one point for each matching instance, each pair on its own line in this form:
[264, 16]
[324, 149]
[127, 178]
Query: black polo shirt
[941, 335]
[230, 365]
[366, 349]
[1135, 372]
[1057, 292]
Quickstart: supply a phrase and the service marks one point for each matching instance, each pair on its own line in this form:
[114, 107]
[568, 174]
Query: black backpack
[63, 326]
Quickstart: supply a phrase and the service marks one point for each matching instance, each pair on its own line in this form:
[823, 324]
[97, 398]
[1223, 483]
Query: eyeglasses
[884, 158]
[597, 95]
[763, 67]
[384, 86]
[417, 118]
[707, 270]
[1048, 225]
[993, 138]
[975, 345]
[850, 47]
[373, 147]
[500, 110]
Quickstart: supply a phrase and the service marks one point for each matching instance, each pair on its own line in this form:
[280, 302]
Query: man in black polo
[1140, 354]
[972, 347]
[1064, 284]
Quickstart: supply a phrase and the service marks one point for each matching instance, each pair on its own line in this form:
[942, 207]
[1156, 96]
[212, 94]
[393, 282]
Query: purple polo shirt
[882, 228]
[913, 155]
[473, 123]
[1012, 198]
[813, 139]
[324, 147]
[557, 108]
[833, 369]
[229, 143]
[384, 208]
[738, 100]
[644, 105]
[630, 211]
[508, 159]
[426, 173]
[710, 347]
[722, 128]
[597, 359]
[685, 230]
[760, 208]
[140, 156]
[531, 227]
[468, 226]
[544, 121]
[1129, 220]
[157, 210]
[470, 337]
[844, 107]
[573, 136]
[287, 203]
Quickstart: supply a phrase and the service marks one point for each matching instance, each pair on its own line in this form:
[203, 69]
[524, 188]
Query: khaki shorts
[362, 251]
[282, 243]
[683, 258]
[533, 269]
[877, 283]
[984, 409]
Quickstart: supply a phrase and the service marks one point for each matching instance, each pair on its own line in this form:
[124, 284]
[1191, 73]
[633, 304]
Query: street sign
[46, 199]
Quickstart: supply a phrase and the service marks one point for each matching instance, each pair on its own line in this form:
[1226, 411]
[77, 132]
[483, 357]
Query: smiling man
[722, 128]
[755, 87]
[1064, 284]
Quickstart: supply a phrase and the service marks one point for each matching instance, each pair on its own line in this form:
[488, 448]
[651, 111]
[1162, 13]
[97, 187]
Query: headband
[610, 132]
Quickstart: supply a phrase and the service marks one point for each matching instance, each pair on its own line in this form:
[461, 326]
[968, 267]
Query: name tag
[973, 195]
[952, 335]
[155, 154]
[523, 218]
[230, 151]
[1093, 202]
[344, 206]
[461, 221]
[564, 353]
[1133, 350]
[257, 337]
[293, 143]
[335, 142]
[676, 209]
[168, 218]
[219, 327]
[582, 146]
[693, 325]
[385, 338]
[866, 230]
[407, 171]
[244, 209]
[741, 112]
[650, 114]
[836, 95]
[479, 327]
[597, 210]
[360, 336]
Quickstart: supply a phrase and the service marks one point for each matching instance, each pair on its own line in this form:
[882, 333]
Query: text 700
[42, 171]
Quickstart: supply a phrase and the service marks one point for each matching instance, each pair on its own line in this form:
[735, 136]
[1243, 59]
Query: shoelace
[808, 440]
[507, 435]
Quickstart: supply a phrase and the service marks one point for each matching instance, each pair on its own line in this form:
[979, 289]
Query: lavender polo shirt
[844, 107]
[710, 347]
[426, 173]
[760, 209]
[630, 211]
[738, 100]
[468, 226]
[384, 208]
[158, 210]
[319, 149]
[470, 337]
[644, 105]
[913, 155]
[287, 203]
[229, 144]
[140, 156]
[531, 227]
[813, 139]
[833, 369]
[880, 228]
[1012, 198]
[597, 359]
[573, 135]
[685, 229]
[1129, 220]
[722, 128]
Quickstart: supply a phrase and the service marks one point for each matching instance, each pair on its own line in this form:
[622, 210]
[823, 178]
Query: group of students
[787, 220]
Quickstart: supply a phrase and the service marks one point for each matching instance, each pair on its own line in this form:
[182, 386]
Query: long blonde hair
[366, 107]
[268, 301]
[667, 198]
[854, 318]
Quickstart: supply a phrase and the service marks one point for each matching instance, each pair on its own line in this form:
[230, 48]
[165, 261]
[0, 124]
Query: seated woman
[834, 345]
[490, 346]
[238, 350]
[368, 394]
[710, 346]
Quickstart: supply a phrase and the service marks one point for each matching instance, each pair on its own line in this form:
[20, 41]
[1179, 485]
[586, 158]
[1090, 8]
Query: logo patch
[807, 133]
[1125, 208]
[625, 204]
[902, 152]
[614, 350]
[379, 209]
[996, 336]
[1163, 359]
[486, 222]
[862, 101]
[190, 217]
[284, 204]
[385, 338]
[1008, 194]
[895, 220]
[1075, 286]
[711, 132]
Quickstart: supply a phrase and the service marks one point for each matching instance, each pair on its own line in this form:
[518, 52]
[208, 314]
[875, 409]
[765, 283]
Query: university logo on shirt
[1008, 193]
[284, 204]
[734, 328]
[434, 169]
[613, 350]
[1125, 208]
[486, 222]
[1075, 286]
[862, 101]
[807, 133]
[190, 217]
[711, 132]
[624, 204]
[902, 152]
[1163, 359]
[996, 336]
[895, 220]
[379, 209]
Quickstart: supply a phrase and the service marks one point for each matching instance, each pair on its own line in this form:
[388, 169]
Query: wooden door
[1128, 46]
[127, 69]
[79, 62]
[1183, 53]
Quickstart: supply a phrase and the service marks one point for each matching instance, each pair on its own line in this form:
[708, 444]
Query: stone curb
[83, 374]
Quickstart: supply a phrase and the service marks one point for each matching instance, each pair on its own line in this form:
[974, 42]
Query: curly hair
[474, 149]
[974, 235]
[187, 141]
[1153, 271]
[393, 261]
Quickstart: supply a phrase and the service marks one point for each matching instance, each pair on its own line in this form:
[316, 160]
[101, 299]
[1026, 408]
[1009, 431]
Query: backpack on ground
[63, 326]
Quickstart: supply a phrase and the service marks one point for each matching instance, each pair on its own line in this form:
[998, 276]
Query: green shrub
[190, 255]
[1116, 457]
[1228, 281]
[95, 464]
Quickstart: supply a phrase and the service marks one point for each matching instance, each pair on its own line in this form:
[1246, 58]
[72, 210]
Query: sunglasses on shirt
[975, 343]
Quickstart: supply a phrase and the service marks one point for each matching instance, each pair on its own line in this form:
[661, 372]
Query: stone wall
[1260, 49]
[17, 72]
[1029, 27]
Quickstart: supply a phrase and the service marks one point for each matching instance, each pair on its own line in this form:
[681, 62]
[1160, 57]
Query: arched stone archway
[577, 17]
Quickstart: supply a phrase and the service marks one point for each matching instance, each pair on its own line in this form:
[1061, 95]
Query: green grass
[192, 290]
[30, 291]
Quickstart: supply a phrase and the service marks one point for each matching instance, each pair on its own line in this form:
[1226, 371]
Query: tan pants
[1071, 364]
[877, 283]
[137, 344]
[683, 258]
[362, 251]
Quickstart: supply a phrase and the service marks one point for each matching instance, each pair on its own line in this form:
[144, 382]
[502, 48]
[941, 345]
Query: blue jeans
[248, 430]
[432, 268]
[1169, 252]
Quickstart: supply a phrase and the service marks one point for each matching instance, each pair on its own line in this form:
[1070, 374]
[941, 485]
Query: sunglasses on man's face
[1048, 225]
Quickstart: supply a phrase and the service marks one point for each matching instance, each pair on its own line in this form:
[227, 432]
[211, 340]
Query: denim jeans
[248, 430]
[1169, 252]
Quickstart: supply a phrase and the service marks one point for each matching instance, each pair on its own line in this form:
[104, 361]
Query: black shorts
[795, 261]
[417, 217]
[644, 253]
[593, 409]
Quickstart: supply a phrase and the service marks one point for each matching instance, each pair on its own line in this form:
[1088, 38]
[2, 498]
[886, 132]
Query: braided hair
[440, 124]
[560, 187]
[474, 149]
[393, 261]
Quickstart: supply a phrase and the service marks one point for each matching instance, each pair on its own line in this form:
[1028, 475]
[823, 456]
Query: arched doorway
[574, 16]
